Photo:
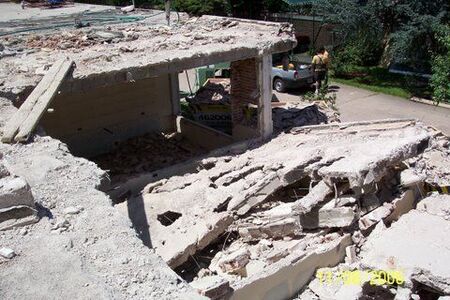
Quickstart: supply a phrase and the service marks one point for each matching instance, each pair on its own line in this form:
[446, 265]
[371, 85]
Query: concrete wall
[201, 135]
[92, 122]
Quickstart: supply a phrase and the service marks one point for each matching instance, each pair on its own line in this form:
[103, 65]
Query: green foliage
[405, 29]
[323, 96]
[380, 80]
[201, 7]
[355, 53]
[440, 80]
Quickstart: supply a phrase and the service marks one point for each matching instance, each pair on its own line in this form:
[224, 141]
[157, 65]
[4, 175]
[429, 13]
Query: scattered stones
[71, 210]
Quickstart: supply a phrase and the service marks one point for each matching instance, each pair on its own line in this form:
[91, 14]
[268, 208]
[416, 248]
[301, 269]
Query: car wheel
[279, 85]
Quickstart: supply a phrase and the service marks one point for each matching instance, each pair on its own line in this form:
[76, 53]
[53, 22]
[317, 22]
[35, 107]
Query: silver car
[296, 76]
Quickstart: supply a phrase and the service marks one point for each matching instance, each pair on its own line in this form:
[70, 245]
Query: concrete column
[264, 77]
[175, 93]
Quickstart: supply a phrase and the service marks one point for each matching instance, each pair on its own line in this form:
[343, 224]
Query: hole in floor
[168, 218]
[202, 259]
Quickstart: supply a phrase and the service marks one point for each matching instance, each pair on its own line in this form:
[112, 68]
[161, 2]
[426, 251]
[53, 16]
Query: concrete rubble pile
[413, 251]
[215, 91]
[261, 222]
[145, 154]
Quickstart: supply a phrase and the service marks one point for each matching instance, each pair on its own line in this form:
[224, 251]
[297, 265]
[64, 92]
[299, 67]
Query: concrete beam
[265, 124]
[175, 93]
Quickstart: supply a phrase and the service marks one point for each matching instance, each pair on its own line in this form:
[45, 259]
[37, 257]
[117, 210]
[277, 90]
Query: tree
[404, 29]
[440, 79]
[201, 7]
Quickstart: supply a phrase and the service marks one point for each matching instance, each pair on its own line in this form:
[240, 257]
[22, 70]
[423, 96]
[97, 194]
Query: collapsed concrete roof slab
[128, 52]
[199, 206]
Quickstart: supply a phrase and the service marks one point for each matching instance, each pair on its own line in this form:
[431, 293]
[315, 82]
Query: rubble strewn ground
[145, 154]
[249, 223]
[81, 247]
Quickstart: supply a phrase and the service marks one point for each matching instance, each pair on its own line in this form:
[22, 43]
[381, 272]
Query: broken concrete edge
[351, 124]
[430, 102]
[288, 276]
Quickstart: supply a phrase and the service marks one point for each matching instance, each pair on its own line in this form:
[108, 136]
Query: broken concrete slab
[315, 196]
[409, 178]
[17, 216]
[214, 287]
[327, 217]
[15, 191]
[375, 216]
[155, 49]
[172, 225]
[17, 206]
[242, 183]
[438, 205]
[402, 205]
[417, 242]
[274, 229]
[290, 274]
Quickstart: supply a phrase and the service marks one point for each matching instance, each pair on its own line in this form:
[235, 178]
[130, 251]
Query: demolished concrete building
[253, 215]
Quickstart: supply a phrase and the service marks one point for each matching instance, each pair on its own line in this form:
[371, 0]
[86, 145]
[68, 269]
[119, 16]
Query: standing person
[326, 57]
[319, 68]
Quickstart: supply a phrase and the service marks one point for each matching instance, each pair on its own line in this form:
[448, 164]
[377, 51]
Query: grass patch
[379, 80]
[394, 91]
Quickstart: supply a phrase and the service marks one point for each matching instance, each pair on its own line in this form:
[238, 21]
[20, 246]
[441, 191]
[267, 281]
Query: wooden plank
[48, 89]
[12, 127]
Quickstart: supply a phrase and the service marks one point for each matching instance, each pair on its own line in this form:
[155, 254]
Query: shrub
[440, 79]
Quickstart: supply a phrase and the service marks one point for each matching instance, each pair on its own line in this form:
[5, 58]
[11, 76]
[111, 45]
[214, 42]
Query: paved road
[357, 104]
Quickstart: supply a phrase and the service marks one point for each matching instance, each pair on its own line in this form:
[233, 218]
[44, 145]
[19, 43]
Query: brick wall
[244, 90]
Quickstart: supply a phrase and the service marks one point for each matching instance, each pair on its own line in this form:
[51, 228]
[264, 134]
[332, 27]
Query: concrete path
[357, 104]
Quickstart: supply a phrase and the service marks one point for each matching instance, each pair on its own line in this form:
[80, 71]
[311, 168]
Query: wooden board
[25, 120]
